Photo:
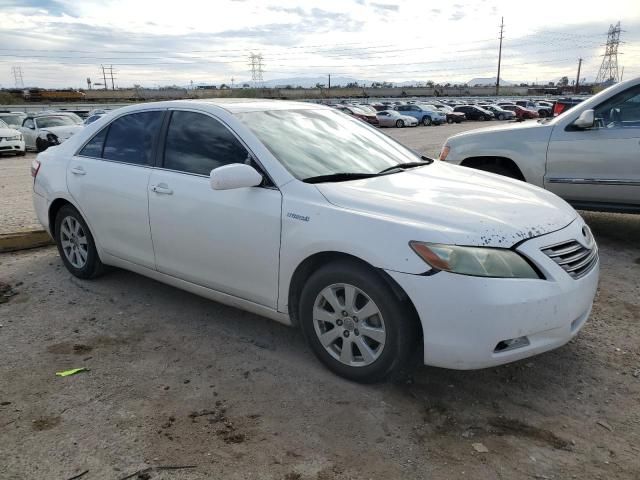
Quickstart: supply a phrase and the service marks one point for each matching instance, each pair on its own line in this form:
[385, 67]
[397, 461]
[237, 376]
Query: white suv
[589, 155]
[312, 218]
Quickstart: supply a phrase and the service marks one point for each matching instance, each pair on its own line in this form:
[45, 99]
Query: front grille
[576, 259]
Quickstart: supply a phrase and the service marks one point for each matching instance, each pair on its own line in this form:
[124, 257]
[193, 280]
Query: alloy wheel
[349, 325]
[73, 240]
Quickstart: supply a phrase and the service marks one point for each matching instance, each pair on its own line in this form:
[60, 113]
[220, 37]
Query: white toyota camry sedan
[299, 213]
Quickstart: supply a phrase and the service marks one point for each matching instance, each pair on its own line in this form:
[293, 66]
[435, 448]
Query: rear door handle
[78, 171]
[162, 189]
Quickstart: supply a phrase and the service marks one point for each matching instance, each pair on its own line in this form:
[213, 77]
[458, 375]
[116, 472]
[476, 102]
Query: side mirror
[235, 175]
[585, 120]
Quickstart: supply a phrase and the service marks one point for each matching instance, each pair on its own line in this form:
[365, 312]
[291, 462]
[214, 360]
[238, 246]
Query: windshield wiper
[403, 166]
[338, 177]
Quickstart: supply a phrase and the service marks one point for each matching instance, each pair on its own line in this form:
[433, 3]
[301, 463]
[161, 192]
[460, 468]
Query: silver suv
[589, 155]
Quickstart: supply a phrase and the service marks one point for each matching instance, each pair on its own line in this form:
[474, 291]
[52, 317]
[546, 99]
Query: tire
[426, 121]
[21, 154]
[450, 120]
[543, 113]
[76, 246]
[501, 116]
[41, 145]
[400, 124]
[368, 360]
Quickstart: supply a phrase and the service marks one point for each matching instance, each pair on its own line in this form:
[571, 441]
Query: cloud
[385, 7]
[457, 15]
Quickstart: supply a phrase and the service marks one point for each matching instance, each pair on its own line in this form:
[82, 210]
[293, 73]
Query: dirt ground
[176, 380]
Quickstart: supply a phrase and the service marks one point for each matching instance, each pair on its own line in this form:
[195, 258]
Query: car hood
[8, 132]
[503, 127]
[63, 132]
[457, 205]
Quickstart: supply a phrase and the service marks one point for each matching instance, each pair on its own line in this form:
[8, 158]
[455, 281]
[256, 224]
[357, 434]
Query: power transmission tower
[609, 69]
[255, 62]
[17, 76]
[499, 56]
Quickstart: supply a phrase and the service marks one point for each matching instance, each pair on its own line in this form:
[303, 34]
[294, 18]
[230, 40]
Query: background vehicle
[11, 140]
[349, 242]
[500, 113]
[521, 112]
[564, 104]
[393, 118]
[13, 119]
[473, 112]
[89, 120]
[358, 113]
[589, 155]
[424, 115]
[452, 117]
[43, 131]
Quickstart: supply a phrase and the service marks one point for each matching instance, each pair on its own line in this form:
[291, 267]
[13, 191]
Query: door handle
[162, 188]
[78, 171]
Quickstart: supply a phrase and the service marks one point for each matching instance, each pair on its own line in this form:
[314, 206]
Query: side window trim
[163, 136]
[79, 151]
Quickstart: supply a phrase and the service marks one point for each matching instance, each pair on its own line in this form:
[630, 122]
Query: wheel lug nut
[339, 322]
[344, 313]
[346, 333]
[356, 332]
[355, 319]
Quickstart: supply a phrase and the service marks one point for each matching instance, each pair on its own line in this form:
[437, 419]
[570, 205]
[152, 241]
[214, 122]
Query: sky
[61, 43]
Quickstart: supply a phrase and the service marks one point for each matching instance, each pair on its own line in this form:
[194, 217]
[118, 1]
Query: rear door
[600, 165]
[109, 179]
[28, 130]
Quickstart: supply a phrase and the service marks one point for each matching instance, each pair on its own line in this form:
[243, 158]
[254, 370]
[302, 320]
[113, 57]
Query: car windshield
[312, 143]
[3, 124]
[46, 122]
[13, 120]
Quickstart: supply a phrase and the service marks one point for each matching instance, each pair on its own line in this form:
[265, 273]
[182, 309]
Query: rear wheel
[76, 245]
[400, 123]
[501, 116]
[41, 144]
[426, 121]
[354, 323]
[450, 120]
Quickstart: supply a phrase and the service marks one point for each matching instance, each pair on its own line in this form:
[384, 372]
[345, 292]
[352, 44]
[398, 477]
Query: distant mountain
[307, 82]
[487, 82]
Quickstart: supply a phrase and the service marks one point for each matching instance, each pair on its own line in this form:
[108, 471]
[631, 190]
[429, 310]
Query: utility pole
[578, 76]
[329, 81]
[499, 56]
[255, 62]
[111, 72]
[104, 76]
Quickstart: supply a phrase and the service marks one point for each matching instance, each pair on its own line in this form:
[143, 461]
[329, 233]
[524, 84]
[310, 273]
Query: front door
[28, 130]
[600, 165]
[109, 180]
[226, 240]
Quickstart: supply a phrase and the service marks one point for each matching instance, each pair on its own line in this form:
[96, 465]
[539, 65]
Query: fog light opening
[511, 344]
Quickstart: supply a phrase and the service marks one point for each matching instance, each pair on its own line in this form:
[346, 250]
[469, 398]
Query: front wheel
[355, 324]
[450, 120]
[400, 124]
[426, 121]
[76, 245]
[501, 117]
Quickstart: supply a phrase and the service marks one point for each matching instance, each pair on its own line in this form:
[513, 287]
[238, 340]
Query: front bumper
[465, 318]
[11, 146]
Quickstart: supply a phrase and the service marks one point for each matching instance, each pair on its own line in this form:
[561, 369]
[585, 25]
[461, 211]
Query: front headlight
[476, 261]
[15, 137]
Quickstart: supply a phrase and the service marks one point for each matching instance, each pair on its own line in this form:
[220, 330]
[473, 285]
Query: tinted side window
[131, 138]
[29, 123]
[197, 143]
[94, 147]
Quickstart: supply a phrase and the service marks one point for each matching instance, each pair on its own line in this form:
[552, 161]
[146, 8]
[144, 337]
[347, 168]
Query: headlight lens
[476, 261]
[15, 137]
